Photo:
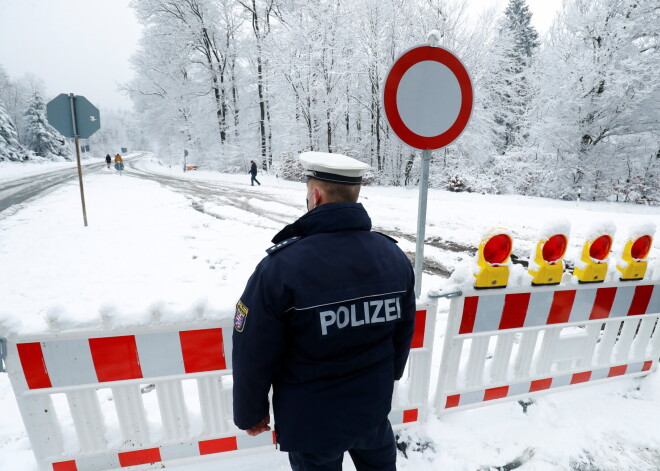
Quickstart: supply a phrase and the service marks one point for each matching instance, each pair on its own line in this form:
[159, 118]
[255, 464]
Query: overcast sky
[84, 46]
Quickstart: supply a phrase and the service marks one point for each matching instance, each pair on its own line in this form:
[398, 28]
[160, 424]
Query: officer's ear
[318, 196]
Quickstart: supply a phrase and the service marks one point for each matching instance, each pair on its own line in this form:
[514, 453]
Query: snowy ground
[149, 249]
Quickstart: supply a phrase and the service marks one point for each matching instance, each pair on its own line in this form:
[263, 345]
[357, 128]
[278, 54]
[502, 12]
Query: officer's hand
[260, 427]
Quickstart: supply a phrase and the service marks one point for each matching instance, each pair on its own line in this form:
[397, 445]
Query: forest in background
[574, 111]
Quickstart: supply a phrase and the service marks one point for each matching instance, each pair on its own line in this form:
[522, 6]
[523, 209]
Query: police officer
[326, 319]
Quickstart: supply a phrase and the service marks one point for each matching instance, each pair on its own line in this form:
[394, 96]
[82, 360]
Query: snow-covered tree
[10, 148]
[516, 44]
[239, 80]
[41, 138]
[598, 103]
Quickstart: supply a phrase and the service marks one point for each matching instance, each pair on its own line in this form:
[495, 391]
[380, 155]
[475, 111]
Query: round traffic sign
[428, 97]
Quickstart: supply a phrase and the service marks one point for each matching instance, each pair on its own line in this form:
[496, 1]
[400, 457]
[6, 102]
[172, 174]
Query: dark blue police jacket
[327, 319]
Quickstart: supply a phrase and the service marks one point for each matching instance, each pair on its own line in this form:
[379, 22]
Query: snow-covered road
[15, 191]
[274, 209]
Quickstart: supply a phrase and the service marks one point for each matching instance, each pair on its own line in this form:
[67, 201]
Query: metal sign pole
[75, 133]
[421, 220]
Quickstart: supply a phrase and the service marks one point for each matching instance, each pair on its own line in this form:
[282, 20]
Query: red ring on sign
[399, 69]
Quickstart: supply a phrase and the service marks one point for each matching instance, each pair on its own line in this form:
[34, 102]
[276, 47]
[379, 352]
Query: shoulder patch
[386, 236]
[281, 245]
[240, 317]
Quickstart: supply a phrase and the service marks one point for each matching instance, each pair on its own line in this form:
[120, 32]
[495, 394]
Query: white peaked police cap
[335, 168]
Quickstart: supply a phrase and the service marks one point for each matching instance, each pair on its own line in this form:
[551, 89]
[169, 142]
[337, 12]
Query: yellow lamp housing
[592, 267]
[548, 266]
[492, 260]
[634, 258]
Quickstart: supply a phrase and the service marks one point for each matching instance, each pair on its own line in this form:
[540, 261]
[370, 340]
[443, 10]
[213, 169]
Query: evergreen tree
[518, 41]
[41, 137]
[10, 148]
[518, 19]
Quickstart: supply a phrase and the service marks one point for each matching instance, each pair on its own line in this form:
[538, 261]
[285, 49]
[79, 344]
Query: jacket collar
[329, 217]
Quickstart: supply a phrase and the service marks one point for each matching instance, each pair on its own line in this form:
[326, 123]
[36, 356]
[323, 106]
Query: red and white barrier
[78, 364]
[520, 342]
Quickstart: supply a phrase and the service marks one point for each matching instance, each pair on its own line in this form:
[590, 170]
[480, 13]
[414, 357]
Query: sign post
[428, 101]
[75, 117]
[72, 99]
[421, 220]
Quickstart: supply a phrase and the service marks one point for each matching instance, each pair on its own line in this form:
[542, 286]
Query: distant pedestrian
[108, 160]
[253, 171]
[119, 163]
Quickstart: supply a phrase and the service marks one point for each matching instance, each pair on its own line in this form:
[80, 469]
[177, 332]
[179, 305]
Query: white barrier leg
[210, 390]
[42, 426]
[87, 419]
[477, 361]
[607, 343]
[625, 340]
[173, 411]
[502, 357]
[451, 361]
[525, 353]
[655, 342]
[642, 340]
[548, 347]
[420, 369]
[131, 414]
[591, 340]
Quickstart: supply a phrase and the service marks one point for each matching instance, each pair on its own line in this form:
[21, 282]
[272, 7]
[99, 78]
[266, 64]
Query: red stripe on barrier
[496, 393]
[34, 365]
[410, 415]
[562, 303]
[514, 311]
[65, 466]
[219, 445]
[640, 300]
[581, 377]
[647, 365]
[453, 401]
[134, 458]
[115, 358]
[469, 314]
[617, 371]
[603, 303]
[203, 350]
[274, 437]
[540, 385]
[420, 327]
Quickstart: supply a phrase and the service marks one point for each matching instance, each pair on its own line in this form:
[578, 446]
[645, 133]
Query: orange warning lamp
[493, 259]
[634, 262]
[592, 267]
[548, 265]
